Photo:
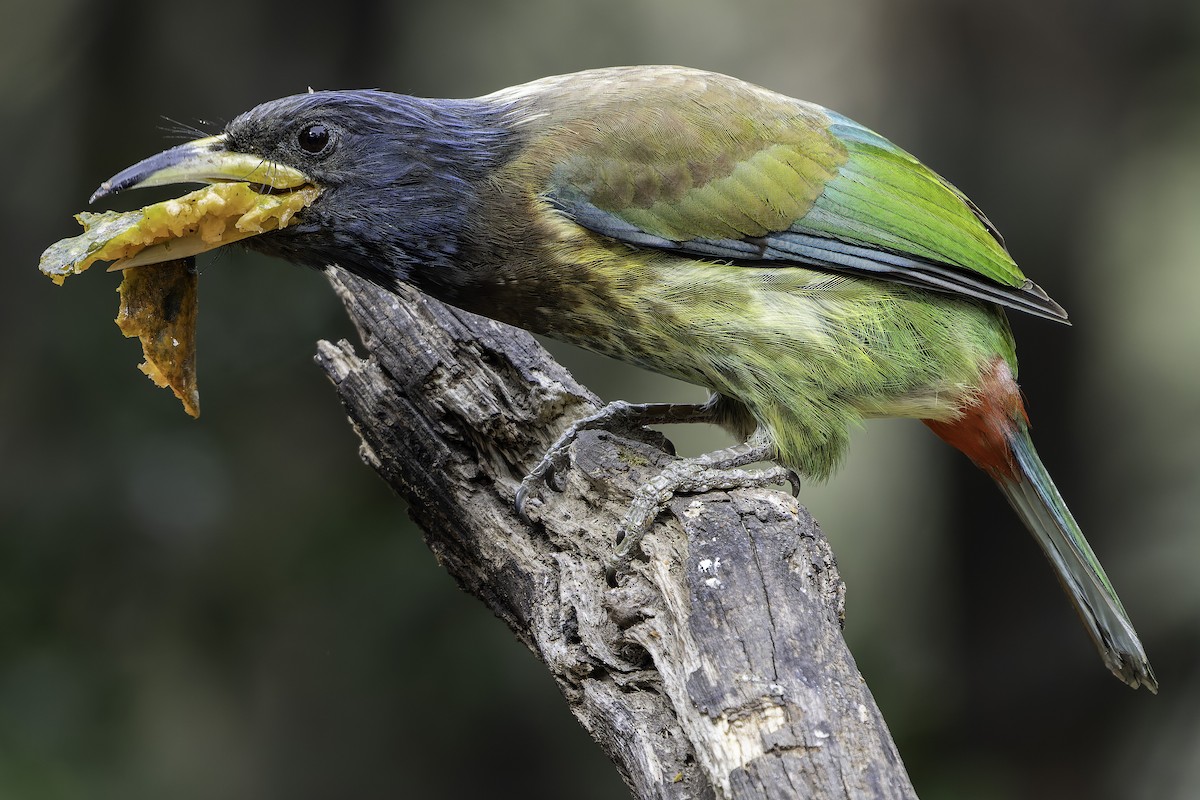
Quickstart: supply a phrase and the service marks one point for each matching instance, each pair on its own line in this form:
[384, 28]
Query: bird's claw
[718, 470]
[688, 477]
[793, 479]
[519, 500]
[548, 472]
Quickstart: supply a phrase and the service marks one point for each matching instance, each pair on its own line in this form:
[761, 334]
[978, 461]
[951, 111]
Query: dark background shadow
[237, 608]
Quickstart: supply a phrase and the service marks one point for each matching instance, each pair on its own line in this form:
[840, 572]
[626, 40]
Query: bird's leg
[720, 469]
[619, 417]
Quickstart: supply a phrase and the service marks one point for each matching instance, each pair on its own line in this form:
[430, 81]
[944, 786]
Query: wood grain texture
[715, 666]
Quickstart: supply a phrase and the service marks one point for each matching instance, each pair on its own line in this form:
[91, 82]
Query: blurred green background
[238, 608]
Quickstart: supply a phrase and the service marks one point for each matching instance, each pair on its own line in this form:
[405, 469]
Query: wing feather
[708, 166]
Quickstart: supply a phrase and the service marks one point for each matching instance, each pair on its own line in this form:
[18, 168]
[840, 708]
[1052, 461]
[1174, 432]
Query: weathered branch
[715, 666]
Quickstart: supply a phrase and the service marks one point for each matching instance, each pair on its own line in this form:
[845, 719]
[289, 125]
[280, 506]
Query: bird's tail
[1033, 495]
[992, 430]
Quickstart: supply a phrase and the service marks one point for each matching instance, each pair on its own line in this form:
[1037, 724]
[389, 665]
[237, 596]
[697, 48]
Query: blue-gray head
[397, 175]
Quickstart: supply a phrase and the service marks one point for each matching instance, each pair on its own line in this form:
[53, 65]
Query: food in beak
[154, 247]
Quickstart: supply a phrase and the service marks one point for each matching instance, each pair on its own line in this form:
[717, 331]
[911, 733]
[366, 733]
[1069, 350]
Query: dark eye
[313, 138]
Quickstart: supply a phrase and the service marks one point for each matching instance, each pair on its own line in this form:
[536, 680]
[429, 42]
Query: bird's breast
[809, 353]
[738, 329]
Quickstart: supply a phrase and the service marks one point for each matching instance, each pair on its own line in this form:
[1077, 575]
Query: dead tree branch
[715, 666]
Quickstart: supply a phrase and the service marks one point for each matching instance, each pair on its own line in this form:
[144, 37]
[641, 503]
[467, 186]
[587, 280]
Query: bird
[806, 270]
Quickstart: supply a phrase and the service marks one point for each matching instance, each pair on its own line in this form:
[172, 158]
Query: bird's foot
[619, 417]
[719, 470]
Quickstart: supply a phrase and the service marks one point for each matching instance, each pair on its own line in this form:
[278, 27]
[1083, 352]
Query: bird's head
[397, 176]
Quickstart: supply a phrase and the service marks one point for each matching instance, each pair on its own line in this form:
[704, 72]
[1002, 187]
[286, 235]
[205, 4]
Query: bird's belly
[809, 353]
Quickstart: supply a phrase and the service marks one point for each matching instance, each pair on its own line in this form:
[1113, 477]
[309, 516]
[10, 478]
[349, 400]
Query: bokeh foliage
[237, 608]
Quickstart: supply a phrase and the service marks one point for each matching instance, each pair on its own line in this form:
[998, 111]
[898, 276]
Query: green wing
[715, 168]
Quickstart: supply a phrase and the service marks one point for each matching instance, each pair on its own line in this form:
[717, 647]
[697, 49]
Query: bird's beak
[203, 161]
[283, 190]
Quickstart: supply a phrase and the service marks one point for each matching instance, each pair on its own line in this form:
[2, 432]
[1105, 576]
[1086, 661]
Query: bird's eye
[313, 138]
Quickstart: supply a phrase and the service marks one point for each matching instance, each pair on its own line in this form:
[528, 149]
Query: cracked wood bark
[715, 667]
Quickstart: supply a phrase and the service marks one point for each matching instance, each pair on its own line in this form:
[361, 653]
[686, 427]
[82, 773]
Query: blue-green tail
[1036, 500]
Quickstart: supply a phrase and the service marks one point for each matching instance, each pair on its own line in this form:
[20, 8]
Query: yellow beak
[203, 161]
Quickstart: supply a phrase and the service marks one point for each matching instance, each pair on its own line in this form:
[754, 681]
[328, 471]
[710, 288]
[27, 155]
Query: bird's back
[708, 165]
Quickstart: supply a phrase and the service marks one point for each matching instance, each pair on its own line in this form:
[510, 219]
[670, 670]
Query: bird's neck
[461, 142]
